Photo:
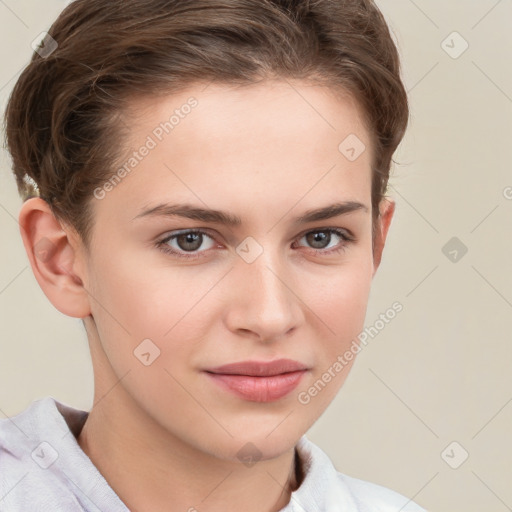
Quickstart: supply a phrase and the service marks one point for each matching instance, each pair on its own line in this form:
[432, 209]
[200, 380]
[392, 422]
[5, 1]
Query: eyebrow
[220, 217]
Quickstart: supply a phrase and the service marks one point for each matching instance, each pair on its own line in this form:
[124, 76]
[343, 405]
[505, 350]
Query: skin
[164, 436]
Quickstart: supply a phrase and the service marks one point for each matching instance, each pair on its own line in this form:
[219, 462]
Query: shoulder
[28, 452]
[373, 497]
[325, 488]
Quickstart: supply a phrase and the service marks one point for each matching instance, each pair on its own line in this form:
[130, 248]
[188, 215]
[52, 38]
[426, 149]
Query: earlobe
[54, 258]
[387, 209]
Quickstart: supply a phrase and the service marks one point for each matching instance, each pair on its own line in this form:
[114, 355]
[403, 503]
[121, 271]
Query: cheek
[134, 302]
[339, 311]
[341, 303]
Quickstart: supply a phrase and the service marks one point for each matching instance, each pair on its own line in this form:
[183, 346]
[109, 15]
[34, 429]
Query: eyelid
[174, 234]
[205, 231]
[344, 232]
[346, 235]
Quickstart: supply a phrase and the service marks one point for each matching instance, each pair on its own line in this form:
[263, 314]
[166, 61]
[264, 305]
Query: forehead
[269, 141]
[271, 104]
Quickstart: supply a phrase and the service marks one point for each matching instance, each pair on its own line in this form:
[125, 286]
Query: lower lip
[259, 389]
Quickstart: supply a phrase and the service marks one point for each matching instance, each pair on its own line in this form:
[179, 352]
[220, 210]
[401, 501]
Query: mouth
[259, 381]
[260, 368]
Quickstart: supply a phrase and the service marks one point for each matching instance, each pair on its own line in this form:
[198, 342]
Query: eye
[327, 240]
[184, 242]
[187, 243]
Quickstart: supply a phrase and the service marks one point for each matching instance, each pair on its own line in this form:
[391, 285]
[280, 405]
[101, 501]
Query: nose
[265, 302]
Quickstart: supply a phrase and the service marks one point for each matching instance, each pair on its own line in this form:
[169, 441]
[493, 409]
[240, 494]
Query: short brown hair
[63, 125]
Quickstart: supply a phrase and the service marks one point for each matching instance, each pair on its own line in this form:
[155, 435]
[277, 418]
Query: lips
[259, 368]
[258, 381]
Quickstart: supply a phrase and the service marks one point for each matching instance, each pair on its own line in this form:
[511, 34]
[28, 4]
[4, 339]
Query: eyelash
[346, 239]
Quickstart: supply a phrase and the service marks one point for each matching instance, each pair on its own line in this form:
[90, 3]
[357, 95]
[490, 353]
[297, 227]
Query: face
[176, 290]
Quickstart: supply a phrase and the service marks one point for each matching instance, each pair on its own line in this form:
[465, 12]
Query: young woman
[204, 185]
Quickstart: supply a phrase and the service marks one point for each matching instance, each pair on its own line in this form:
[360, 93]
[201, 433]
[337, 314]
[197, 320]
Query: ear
[386, 211]
[56, 257]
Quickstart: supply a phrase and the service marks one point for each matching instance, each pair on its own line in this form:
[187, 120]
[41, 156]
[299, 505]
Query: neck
[152, 469]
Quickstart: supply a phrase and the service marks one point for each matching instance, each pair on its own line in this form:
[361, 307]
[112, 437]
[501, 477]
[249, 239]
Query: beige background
[439, 372]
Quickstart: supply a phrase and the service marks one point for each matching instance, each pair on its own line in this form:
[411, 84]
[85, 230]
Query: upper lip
[259, 368]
